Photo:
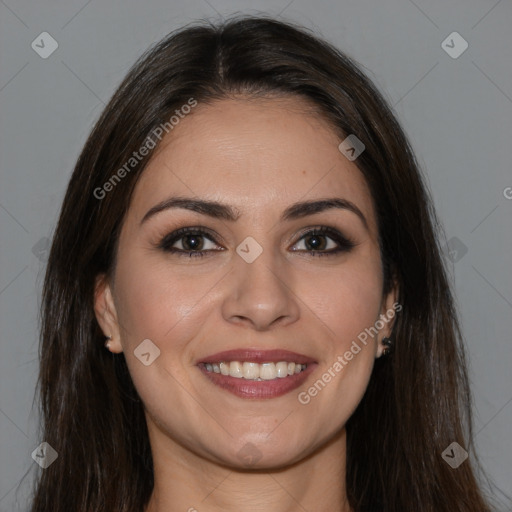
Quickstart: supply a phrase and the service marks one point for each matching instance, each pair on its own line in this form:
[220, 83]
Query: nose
[260, 294]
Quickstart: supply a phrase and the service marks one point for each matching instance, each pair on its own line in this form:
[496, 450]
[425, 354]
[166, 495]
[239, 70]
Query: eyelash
[344, 244]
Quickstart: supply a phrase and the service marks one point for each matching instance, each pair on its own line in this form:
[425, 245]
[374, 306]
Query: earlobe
[106, 315]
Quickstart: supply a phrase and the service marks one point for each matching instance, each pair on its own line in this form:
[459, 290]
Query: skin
[259, 156]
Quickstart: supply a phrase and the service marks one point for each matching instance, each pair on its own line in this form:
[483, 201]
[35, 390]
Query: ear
[389, 309]
[106, 314]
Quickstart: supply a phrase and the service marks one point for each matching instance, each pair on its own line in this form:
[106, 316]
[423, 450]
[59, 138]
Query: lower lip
[262, 389]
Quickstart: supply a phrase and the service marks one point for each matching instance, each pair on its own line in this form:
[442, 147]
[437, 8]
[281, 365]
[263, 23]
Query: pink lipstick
[255, 373]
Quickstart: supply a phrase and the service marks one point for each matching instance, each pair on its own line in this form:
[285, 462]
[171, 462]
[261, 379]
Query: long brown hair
[418, 399]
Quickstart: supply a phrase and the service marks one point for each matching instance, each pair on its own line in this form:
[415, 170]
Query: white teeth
[282, 369]
[268, 371]
[251, 370]
[235, 369]
[254, 371]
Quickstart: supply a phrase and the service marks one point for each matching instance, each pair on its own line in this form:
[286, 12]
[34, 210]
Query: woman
[248, 231]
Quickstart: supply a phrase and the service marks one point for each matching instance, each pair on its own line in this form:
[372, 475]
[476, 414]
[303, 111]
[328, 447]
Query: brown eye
[189, 241]
[324, 241]
[194, 241]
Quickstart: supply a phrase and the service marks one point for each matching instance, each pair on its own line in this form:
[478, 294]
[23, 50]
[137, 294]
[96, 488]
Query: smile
[257, 374]
[255, 371]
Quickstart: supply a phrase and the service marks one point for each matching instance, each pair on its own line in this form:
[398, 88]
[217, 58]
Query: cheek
[154, 299]
[346, 300]
[153, 303]
[347, 305]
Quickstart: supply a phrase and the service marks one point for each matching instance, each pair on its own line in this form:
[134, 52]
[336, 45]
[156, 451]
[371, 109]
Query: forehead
[257, 155]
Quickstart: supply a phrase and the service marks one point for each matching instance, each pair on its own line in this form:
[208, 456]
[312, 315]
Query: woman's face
[271, 284]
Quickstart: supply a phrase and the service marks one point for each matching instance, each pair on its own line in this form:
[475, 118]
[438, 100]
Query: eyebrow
[222, 211]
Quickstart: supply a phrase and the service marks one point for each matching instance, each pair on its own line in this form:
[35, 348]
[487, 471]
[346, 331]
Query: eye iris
[192, 242]
[317, 243]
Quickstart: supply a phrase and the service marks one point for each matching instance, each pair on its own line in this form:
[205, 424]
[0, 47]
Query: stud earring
[388, 346]
[107, 342]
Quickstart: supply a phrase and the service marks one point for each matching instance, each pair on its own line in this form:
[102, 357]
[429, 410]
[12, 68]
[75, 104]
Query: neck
[185, 482]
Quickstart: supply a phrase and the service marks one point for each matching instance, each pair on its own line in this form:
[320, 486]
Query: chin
[260, 452]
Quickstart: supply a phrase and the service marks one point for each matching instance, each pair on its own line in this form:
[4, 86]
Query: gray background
[457, 113]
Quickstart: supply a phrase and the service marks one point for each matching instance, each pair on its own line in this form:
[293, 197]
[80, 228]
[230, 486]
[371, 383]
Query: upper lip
[257, 356]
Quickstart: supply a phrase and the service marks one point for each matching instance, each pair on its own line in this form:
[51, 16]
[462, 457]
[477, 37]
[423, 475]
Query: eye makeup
[191, 238]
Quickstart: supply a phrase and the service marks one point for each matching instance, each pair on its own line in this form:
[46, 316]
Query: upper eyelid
[179, 233]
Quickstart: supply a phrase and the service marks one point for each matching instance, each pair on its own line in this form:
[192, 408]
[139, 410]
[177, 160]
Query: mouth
[257, 374]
